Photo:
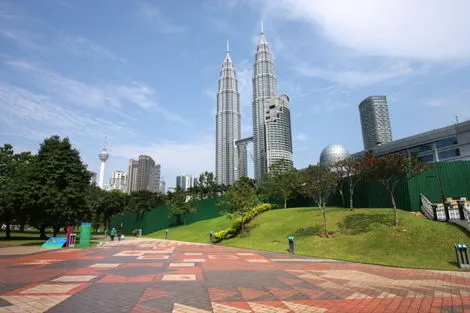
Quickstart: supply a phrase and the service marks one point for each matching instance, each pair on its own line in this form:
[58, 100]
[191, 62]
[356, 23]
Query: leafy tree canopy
[281, 181]
[180, 203]
[389, 170]
[239, 199]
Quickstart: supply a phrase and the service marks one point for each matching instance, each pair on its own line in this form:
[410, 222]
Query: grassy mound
[196, 232]
[363, 235]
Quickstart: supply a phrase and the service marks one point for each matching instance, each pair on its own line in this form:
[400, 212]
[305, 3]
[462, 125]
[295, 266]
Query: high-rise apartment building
[118, 181]
[162, 187]
[93, 176]
[132, 175]
[375, 121]
[185, 182]
[278, 131]
[146, 173]
[157, 173]
[227, 124]
[143, 174]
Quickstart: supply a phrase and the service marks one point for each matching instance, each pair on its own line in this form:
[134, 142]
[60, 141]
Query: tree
[142, 201]
[280, 181]
[389, 170]
[319, 182]
[59, 185]
[104, 204]
[239, 199]
[94, 198]
[6, 175]
[180, 204]
[349, 170]
[207, 187]
[14, 171]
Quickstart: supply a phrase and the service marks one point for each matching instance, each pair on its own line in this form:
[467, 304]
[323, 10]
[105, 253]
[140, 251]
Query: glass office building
[450, 143]
[375, 121]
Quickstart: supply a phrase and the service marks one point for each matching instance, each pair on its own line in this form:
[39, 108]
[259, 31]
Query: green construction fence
[453, 178]
[158, 218]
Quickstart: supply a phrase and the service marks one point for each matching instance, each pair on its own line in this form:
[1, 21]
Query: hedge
[233, 230]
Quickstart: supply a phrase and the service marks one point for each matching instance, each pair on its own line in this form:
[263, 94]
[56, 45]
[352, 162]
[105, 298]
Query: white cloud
[362, 77]
[245, 75]
[161, 22]
[59, 43]
[421, 29]
[82, 94]
[453, 104]
[37, 116]
[218, 5]
[84, 47]
[301, 136]
[192, 157]
[22, 38]
[436, 103]
[212, 95]
[38, 35]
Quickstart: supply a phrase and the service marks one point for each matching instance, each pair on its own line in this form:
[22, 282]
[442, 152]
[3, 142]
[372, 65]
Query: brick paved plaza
[153, 276]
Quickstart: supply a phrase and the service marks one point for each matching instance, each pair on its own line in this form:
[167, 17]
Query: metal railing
[452, 211]
[427, 207]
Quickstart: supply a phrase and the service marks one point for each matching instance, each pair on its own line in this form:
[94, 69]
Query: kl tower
[104, 155]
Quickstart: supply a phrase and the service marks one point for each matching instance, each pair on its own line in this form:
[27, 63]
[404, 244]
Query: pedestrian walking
[112, 233]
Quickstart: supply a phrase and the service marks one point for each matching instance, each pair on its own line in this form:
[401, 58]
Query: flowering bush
[233, 230]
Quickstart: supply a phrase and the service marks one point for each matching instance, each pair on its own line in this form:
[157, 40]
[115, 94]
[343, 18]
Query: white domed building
[332, 154]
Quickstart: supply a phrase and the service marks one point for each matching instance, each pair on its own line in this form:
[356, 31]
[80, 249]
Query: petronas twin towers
[272, 136]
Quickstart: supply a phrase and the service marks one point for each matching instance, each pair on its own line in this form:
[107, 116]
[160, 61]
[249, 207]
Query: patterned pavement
[155, 276]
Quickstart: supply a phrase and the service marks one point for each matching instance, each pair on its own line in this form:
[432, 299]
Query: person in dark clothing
[112, 234]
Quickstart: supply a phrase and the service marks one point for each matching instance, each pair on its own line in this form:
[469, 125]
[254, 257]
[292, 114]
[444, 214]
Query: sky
[141, 75]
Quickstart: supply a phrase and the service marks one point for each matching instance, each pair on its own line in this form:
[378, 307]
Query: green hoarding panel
[85, 235]
[453, 178]
[448, 179]
[159, 218]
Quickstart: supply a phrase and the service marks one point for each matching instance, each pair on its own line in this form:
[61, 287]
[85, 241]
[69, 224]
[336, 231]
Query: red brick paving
[166, 276]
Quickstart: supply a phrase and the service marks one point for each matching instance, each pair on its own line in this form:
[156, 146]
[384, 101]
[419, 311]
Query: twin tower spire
[272, 139]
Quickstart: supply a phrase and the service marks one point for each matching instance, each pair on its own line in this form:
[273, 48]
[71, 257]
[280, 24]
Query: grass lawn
[22, 239]
[196, 232]
[31, 238]
[363, 235]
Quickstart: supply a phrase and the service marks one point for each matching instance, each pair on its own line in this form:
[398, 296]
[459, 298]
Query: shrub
[136, 232]
[233, 230]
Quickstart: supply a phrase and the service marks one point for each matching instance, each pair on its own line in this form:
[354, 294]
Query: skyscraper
[375, 121]
[132, 176]
[272, 139]
[162, 187]
[146, 173]
[93, 178]
[278, 131]
[228, 128]
[157, 173]
[118, 181]
[185, 182]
